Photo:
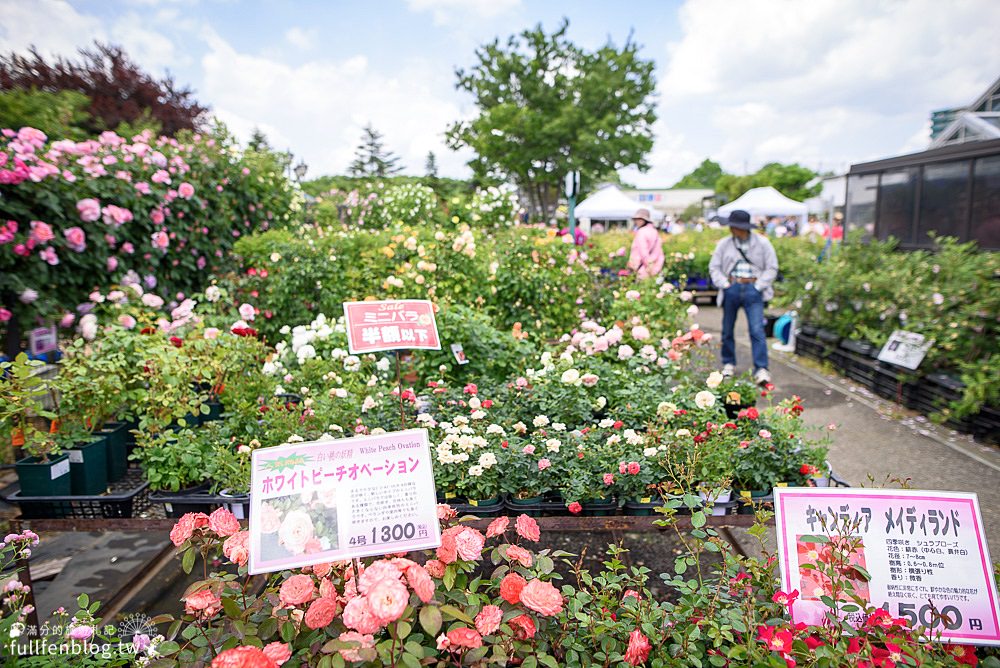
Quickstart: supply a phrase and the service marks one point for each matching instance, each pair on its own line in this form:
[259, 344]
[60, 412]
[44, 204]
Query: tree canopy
[371, 157]
[703, 176]
[790, 180]
[547, 107]
[119, 94]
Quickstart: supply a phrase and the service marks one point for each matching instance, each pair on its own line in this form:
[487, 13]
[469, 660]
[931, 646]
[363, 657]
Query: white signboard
[43, 340]
[905, 349]
[919, 555]
[323, 501]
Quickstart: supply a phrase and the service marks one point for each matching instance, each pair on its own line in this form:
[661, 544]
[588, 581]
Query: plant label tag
[404, 324]
[60, 469]
[339, 499]
[43, 340]
[76, 456]
[920, 555]
[459, 353]
[905, 349]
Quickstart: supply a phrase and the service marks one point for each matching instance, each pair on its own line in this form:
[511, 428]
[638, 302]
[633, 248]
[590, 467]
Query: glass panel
[944, 204]
[986, 203]
[897, 192]
[861, 191]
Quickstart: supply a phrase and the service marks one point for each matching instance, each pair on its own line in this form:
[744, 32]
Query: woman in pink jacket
[646, 258]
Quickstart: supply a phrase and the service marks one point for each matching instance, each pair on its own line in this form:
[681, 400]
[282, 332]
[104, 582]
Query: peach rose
[527, 528]
[465, 637]
[296, 530]
[237, 548]
[243, 657]
[520, 555]
[435, 568]
[542, 597]
[296, 590]
[448, 551]
[421, 582]
[321, 613]
[387, 599]
[327, 589]
[358, 616]
[223, 522]
[203, 604]
[488, 620]
[363, 641]
[278, 652]
[523, 626]
[497, 527]
[445, 512]
[511, 587]
[375, 573]
[469, 544]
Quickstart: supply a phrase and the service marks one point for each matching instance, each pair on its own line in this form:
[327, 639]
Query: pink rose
[236, 548]
[211, 333]
[203, 604]
[185, 190]
[488, 620]
[278, 652]
[161, 240]
[116, 215]
[363, 641]
[185, 526]
[49, 255]
[296, 590]
[5, 315]
[358, 616]
[527, 528]
[126, 321]
[589, 379]
[435, 568]
[529, 449]
[542, 597]
[445, 512]
[296, 530]
[544, 463]
[469, 544]
[67, 320]
[270, 518]
[42, 232]
[247, 312]
[520, 555]
[243, 657]
[89, 209]
[421, 582]
[156, 215]
[511, 587]
[464, 637]
[387, 599]
[497, 527]
[321, 613]
[638, 648]
[223, 522]
[112, 263]
[633, 468]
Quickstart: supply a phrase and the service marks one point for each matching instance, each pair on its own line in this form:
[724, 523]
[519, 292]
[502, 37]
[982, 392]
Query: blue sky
[823, 82]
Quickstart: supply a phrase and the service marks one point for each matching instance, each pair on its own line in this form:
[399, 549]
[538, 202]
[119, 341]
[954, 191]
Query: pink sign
[322, 501]
[391, 325]
[920, 555]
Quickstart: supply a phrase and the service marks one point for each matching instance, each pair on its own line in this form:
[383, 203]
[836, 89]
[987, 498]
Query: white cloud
[319, 107]
[54, 27]
[824, 82]
[302, 38]
[451, 12]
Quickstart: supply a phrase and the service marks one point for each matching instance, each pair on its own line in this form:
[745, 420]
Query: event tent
[765, 202]
[608, 203]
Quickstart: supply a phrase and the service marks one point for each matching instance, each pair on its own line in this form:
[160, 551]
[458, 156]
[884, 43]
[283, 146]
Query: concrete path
[877, 439]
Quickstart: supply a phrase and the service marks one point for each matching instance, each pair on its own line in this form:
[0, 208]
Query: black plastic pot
[600, 507]
[38, 478]
[88, 467]
[532, 507]
[194, 499]
[115, 433]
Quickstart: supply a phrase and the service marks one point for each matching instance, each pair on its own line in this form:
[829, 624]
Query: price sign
[391, 325]
[905, 349]
[920, 555]
[323, 501]
[43, 340]
[459, 352]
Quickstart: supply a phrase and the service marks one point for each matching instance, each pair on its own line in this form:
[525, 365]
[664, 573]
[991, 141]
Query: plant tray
[128, 497]
[808, 346]
[176, 504]
[863, 348]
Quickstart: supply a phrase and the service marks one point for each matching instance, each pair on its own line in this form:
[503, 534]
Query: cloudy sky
[822, 82]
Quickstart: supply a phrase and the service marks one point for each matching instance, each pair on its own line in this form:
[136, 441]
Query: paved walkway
[876, 439]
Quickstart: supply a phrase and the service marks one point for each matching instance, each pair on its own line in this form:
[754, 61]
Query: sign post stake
[399, 389]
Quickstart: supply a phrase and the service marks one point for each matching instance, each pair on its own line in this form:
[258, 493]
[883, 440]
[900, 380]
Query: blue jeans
[743, 295]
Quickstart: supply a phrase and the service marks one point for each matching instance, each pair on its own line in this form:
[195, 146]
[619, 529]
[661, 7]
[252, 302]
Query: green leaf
[231, 608]
[83, 601]
[410, 660]
[288, 631]
[455, 613]
[403, 629]
[698, 519]
[167, 647]
[430, 620]
[187, 560]
[530, 662]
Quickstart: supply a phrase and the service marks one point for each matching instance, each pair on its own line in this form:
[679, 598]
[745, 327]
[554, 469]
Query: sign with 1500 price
[921, 556]
[322, 501]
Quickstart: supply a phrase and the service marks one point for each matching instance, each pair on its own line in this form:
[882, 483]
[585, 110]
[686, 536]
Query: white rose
[539, 421]
[571, 376]
[475, 470]
[213, 293]
[475, 403]
[682, 433]
[649, 452]
[714, 379]
[692, 310]
[625, 351]
[704, 399]
[553, 444]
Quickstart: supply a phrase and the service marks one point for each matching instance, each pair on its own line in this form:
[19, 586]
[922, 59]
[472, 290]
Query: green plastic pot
[38, 478]
[115, 434]
[88, 467]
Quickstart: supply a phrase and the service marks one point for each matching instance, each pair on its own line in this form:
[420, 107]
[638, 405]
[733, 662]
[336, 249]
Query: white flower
[606, 423]
[475, 470]
[352, 363]
[295, 438]
[704, 399]
[539, 421]
[614, 439]
[649, 452]
[495, 429]
[213, 293]
[520, 427]
[571, 376]
[487, 460]
[478, 415]
[88, 326]
[601, 403]
[682, 433]
[632, 437]
[558, 426]
[553, 444]
[589, 379]
[625, 351]
[382, 364]
[368, 404]
[692, 310]
[714, 379]
[666, 409]
[475, 403]
[246, 311]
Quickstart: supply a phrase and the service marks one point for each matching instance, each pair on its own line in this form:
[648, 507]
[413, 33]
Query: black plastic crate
[177, 504]
[128, 497]
[808, 346]
[863, 348]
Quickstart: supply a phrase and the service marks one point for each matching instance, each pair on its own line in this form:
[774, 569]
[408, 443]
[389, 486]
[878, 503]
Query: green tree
[60, 115]
[703, 176]
[431, 166]
[547, 107]
[371, 157]
[789, 180]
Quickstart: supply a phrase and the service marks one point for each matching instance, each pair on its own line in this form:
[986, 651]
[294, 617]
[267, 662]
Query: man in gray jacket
[743, 267]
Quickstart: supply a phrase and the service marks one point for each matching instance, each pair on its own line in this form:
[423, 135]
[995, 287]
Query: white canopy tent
[765, 201]
[607, 204]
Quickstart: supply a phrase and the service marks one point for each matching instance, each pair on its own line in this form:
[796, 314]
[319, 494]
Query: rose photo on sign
[814, 553]
[297, 524]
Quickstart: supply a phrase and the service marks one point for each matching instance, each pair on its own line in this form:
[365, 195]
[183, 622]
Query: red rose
[523, 626]
[176, 341]
[511, 587]
[575, 508]
[465, 637]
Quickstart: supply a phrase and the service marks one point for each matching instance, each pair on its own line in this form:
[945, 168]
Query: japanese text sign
[323, 501]
[43, 340]
[905, 349]
[391, 325]
[920, 555]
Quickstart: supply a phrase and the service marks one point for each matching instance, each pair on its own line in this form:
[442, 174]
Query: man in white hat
[743, 267]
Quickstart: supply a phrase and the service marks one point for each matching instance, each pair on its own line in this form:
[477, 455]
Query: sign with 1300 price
[322, 501]
[919, 555]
